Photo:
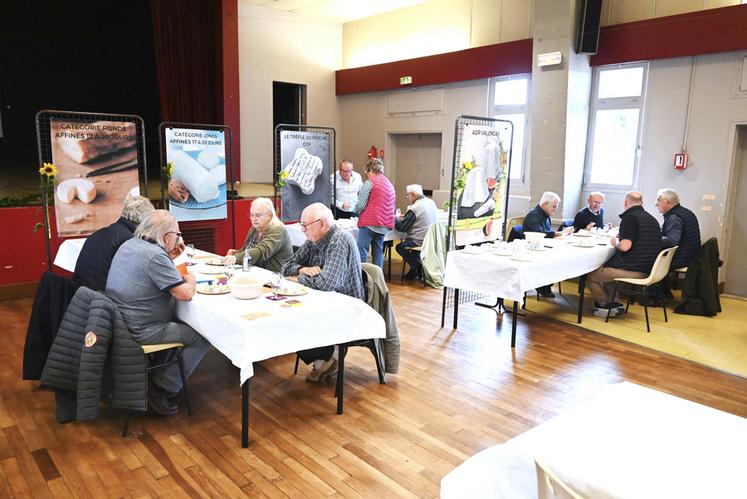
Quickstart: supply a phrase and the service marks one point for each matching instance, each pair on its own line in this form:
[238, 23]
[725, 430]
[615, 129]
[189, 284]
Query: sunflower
[48, 169]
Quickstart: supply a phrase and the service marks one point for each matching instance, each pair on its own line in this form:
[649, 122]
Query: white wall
[280, 46]
[716, 106]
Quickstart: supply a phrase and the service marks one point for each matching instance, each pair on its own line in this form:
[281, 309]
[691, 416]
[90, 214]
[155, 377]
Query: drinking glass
[275, 282]
[228, 270]
[190, 250]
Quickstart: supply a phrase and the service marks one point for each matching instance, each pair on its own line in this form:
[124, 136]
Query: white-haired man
[420, 215]
[592, 215]
[95, 257]
[328, 261]
[681, 227]
[538, 220]
[144, 284]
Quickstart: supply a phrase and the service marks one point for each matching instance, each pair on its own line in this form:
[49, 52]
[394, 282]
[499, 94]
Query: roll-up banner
[97, 168]
[304, 159]
[197, 185]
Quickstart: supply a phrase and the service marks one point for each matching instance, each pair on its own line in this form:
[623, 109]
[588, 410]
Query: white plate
[541, 248]
[471, 250]
[213, 289]
[293, 290]
[583, 235]
[210, 269]
[583, 246]
[522, 258]
[504, 253]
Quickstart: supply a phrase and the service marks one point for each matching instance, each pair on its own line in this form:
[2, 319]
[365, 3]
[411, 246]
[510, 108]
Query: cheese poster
[197, 187]
[97, 168]
[304, 172]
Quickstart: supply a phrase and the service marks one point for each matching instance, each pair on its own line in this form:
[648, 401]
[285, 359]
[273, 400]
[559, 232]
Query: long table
[627, 441]
[484, 271]
[247, 331]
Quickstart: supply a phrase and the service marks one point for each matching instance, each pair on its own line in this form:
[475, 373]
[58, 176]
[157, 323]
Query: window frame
[496, 111]
[612, 103]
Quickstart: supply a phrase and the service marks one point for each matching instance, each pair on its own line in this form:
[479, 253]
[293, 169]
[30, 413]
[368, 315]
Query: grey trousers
[195, 348]
[601, 282]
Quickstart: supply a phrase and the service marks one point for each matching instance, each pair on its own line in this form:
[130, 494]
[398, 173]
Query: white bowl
[534, 236]
[245, 287]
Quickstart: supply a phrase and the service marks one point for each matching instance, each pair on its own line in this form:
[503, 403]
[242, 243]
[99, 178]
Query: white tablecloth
[323, 318]
[504, 277]
[67, 255]
[626, 442]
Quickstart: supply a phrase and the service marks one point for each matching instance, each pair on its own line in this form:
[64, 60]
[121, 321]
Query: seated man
[328, 261]
[592, 215]
[680, 228]
[345, 183]
[638, 244]
[538, 220]
[95, 258]
[420, 215]
[143, 282]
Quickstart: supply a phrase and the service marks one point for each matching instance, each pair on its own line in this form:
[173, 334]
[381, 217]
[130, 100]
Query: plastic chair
[510, 224]
[550, 486]
[659, 271]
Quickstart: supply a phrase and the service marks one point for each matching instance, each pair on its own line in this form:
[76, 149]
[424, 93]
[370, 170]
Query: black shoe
[616, 305]
[160, 404]
[411, 275]
[545, 292]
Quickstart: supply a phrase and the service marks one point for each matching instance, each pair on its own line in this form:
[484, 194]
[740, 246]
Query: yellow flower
[467, 165]
[284, 175]
[48, 169]
[170, 167]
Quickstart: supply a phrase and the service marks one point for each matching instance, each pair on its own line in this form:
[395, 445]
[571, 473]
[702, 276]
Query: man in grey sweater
[420, 215]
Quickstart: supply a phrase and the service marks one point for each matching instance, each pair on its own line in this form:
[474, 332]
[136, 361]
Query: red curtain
[188, 46]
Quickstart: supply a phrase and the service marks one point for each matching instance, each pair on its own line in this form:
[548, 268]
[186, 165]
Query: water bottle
[247, 260]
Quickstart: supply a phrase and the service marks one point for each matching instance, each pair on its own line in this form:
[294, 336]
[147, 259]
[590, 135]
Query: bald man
[638, 244]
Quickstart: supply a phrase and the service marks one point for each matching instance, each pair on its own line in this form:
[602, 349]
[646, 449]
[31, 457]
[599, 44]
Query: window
[511, 102]
[615, 125]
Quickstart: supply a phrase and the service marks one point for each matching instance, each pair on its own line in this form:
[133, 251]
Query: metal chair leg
[126, 425]
[375, 351]
[184, 380]
[665, 311]
[295, 369]
[645, 309]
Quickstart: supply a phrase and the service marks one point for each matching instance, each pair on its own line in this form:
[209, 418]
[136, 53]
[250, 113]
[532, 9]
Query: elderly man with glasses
[345, 183]
[267, 244]
[144, 284]
[592, 215]
[327, 261]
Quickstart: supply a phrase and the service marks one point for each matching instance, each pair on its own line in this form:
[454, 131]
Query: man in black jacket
[680, 227]
[95, 258]
[592, 215]
[638, 244]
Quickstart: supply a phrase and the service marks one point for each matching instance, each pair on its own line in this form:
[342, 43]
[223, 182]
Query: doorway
[288, 103]
[735, 283]
[417, 160]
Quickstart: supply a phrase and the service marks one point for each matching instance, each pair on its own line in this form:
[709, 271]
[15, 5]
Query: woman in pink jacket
[376, 208]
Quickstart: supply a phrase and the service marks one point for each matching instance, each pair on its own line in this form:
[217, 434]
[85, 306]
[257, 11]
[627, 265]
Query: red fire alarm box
[373, 152]
[680, 161]
[381, 153]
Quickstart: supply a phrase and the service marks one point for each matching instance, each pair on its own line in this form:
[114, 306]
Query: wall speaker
[587, 30]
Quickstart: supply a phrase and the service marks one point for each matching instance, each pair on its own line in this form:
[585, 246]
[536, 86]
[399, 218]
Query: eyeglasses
[305, 225]
[178, 234]
[258, 215]
[345, 171]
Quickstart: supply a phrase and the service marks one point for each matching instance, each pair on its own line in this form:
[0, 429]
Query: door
[417, 158]
[736, 256]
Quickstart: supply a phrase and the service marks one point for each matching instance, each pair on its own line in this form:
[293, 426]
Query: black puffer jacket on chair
[95, 356]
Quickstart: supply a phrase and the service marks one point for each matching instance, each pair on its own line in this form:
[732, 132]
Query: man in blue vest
[680, 227]
[638, 244]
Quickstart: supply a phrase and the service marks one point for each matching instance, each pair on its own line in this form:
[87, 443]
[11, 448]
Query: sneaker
[602, 310]
[617, 306]
[322, 369]
[160, 404]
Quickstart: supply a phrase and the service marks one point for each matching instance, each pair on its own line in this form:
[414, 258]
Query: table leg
[342, 351]
[515, 317]
[245, 414]
[456, 308]
[581, 289]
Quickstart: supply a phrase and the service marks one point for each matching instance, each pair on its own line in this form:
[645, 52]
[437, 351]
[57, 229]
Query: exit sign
[405, 80]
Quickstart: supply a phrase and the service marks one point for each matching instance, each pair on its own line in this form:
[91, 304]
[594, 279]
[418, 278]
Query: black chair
[372, 344]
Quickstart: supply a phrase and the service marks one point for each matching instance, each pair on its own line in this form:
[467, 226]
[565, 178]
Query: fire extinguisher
[373, 152]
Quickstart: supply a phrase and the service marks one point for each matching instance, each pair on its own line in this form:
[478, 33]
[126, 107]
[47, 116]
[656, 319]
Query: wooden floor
[457, 392]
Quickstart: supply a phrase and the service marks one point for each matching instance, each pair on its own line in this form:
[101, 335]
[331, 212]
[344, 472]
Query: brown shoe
[322, 370]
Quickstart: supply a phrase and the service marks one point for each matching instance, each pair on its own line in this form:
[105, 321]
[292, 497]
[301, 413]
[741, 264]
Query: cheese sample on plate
[83, 150]
[194, 176]
[69, 189]
[303, 170]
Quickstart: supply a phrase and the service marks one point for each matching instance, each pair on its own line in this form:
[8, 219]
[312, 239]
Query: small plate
[583, 246]
[521, 258]
[541, 248]
[293, 290]
[214, 262]
[210, 270]
[213, 289]
[583, 235]
[504, 253]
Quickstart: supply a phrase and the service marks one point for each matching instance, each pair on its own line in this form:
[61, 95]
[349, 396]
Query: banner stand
[227, 146]
[463, 147]
[45, 151]
[310, 131]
